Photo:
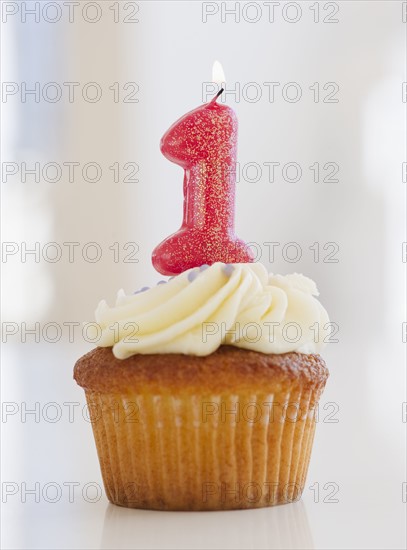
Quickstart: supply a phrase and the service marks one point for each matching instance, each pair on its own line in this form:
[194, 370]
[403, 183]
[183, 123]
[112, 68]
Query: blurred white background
[166, 49]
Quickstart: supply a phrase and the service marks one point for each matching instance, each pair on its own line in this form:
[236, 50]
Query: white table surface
[362, 454]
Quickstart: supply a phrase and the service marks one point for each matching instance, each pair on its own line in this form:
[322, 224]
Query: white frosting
[199, 310]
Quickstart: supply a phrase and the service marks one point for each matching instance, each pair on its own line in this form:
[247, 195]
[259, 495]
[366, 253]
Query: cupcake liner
[193, 451]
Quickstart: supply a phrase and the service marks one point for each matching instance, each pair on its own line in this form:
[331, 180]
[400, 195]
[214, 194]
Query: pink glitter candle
[204, 143]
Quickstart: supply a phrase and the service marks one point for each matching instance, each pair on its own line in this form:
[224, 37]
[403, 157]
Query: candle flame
[218, 76]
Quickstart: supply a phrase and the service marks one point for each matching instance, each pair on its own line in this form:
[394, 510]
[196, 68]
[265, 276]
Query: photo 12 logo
[69, 412]
[269, 331]
[69, 172]
[69, 92]
[272, 92]
[70, 12]
[269, 12]
[69, 252]
[267, 412]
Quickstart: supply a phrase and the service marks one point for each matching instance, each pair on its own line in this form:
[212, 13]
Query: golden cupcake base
[232, 430]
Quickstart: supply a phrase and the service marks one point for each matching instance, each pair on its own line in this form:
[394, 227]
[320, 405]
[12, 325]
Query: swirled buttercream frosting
[224, 304]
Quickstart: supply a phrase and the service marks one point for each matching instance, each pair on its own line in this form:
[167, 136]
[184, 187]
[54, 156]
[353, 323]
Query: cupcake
[203, 390]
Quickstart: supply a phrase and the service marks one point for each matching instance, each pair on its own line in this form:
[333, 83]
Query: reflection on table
[282, 527]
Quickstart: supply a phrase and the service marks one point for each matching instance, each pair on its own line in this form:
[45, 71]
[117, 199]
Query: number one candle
[204, 143]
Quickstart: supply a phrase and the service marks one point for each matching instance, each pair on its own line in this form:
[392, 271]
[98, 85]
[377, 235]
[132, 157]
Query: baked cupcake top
[203, 308]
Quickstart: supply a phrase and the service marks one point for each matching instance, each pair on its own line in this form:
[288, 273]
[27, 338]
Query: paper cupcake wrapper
[204, 452]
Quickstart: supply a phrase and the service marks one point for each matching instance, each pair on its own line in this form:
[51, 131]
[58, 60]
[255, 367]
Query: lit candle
[204, 143]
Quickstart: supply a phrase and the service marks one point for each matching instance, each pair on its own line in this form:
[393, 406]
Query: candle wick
[219, 93]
